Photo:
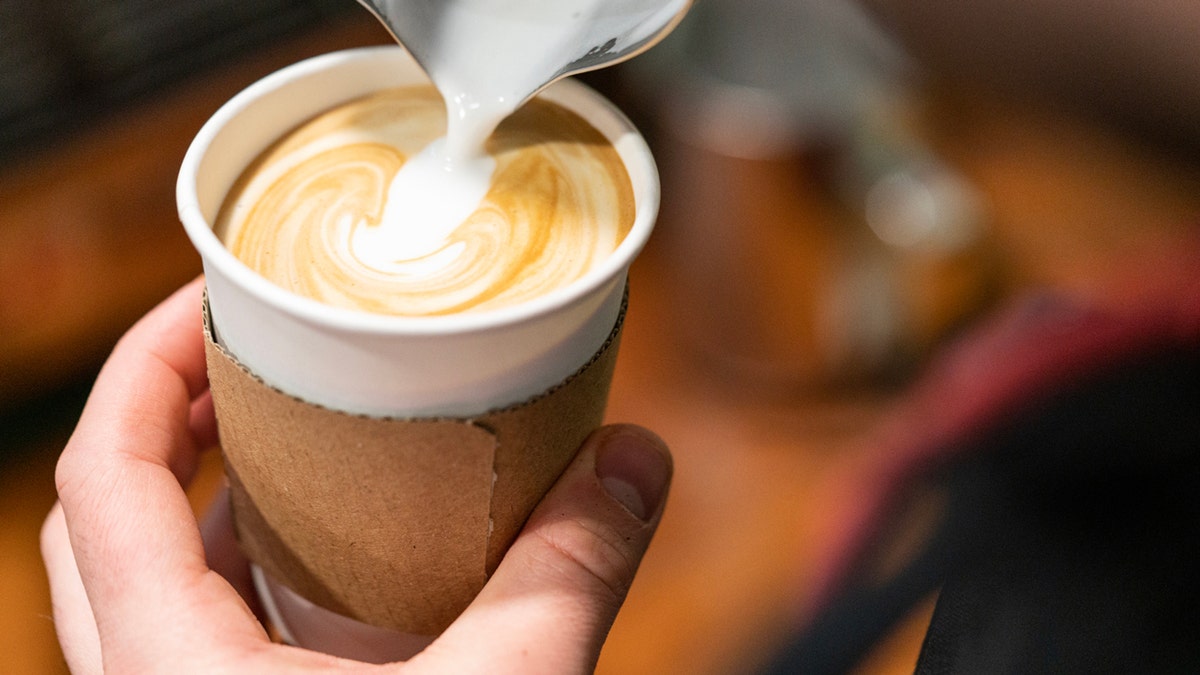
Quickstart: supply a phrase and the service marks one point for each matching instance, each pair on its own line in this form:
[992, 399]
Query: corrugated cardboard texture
[394, 522]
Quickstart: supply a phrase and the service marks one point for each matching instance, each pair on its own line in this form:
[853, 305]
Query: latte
[312, 213]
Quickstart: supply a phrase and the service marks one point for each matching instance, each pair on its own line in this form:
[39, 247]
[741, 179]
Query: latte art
[309, 214]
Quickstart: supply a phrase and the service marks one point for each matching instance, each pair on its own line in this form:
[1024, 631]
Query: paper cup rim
[596, 109]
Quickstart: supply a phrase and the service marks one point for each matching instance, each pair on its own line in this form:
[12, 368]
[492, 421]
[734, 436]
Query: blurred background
[848, 187]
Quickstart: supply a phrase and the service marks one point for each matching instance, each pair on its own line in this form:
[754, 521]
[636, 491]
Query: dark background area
[65, 64]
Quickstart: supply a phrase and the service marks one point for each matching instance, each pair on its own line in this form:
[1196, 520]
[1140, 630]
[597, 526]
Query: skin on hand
[139, 586]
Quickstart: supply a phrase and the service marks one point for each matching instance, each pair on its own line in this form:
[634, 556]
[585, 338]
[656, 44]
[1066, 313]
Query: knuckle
[74, 471]
[68, 473]
[591, 554]
[84, 479]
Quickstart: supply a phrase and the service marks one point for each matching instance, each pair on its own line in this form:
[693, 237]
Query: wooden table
[89, 240]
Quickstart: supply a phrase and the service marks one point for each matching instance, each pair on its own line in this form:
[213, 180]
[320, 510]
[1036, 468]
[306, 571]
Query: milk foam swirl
[558, 204]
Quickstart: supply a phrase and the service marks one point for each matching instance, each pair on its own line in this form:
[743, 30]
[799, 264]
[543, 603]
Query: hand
[136, 590]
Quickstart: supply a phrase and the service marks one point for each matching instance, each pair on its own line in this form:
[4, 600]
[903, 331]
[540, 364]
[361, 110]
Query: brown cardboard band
[394, 522]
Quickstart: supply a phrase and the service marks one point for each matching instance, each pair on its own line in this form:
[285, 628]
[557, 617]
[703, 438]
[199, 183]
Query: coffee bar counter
[89, 240]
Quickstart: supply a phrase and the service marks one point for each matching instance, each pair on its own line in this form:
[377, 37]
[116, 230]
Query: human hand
[137, 588]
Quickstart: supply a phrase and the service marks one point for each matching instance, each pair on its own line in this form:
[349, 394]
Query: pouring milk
[486, 58]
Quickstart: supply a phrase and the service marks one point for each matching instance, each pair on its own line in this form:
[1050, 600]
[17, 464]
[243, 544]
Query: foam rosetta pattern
[312, 214]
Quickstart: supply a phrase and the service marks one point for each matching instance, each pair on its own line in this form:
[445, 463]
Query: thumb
[551, 602]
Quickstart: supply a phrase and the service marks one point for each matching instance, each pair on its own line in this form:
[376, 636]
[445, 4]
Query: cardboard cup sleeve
[397, 523]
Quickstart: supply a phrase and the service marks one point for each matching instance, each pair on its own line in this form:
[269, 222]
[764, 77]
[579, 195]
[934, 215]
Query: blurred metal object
[758, 76]
[811, 240]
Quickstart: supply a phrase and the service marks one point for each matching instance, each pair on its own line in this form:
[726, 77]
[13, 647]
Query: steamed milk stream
[418, 201]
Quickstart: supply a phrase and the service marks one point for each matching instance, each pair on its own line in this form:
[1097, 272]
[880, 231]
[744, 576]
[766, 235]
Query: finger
[221, 549]
[73, 620]
[551, 602]
[135, 538]
[203, 423]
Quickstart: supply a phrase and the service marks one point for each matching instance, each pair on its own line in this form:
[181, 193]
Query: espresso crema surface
[558, 203]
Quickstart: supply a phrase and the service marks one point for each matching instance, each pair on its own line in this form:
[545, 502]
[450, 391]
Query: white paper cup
[382, 365]
[360, 363]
